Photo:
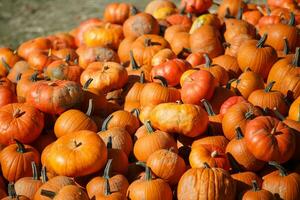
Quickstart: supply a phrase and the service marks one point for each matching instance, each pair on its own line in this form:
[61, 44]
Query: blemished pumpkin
[207, 183]
[186, 119]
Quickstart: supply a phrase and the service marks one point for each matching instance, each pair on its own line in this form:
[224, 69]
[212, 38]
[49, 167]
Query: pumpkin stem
[135, 112]
[228, 14]
[206, 165]
[105, 123]
[208, 61]
[249, 115]
[107, 168]
[296, 57]
[44, 175]
[233, 163]
[292, 21]
[172, 149]
[87, 83]
[255, 186]
[228, 84]
[34, 76]
[269, 86]
[189, 15]
[48, 193]
[214, 154]
[208, 107]
[282, 170]
[134, 65]
[286, 48]
[226, 45]
[148, 173]
[35, 175]
[262, 41]
[21, 148]
[90, 108]
[142, 77]
[11, 191]
[149, 127]
[278, 114]
[77, 144]
[238, 132]
[147, 42]
[19, 76]
[240, 13]
[6, 65]
[109, 143]
[68, 58]
[75, 61]
[162, 79]
[179, 102]
[140, 163]
[107, 191]
[182, 9]
[18, 113]
[133, 10]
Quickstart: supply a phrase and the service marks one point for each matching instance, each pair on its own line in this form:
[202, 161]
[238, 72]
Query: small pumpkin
[123, 50]
[229, 63]
[39, 60]
[156, 4]
[8, 59]
[20, 67]
[196, 6]
[196, 59]
[117, 13]
[205, 19]
[36, 44]
[108, 194]
[257, 193]
[230, 7]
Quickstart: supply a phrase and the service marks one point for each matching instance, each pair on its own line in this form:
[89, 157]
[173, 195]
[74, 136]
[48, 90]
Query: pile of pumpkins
[166, 103]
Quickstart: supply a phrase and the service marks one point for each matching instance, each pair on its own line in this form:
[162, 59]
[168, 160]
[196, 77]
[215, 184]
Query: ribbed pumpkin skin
[294, 112]
[206, 183]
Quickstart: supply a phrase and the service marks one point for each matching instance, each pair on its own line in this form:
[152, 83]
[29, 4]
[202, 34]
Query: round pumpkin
[117, 13]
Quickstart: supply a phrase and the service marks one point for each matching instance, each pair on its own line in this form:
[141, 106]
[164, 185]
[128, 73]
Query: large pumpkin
[20, 121]
[186, 119]
[206, 183]
[55, 97]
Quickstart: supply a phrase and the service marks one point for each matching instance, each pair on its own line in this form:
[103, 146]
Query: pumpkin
[238, 115]
[76, 144]
[55, 184]
[252, 17]
[180, 47]
[180, 19]
[238, 150]
[267, 20]
[37, 44]
[290, 86]
[233, 47]
[12, 195]
[123, 119]
[16, 161]
[213, 155]
[107, 76]
[27, 186]
[162, 56]
[146, 46]
[89, 55]
[261, 131]
[134, 70]
[154, 5]
[186, 74]
[108, 194]
[275, 181]
[171, 70]
[54, 97]
[140, 24]
[257, 193]
[20, 121]
[186, 119]
[163, 12]
[250, 52]
[61, 70]
[217, 71]
[39, 60]
[123, 50]
[108, 35]
[8, 59]
[206, 19]
[248, 82]
[206, 39]
[118, 182]
[229, 63]
[294, 112]
[197, 86]
[19, 68]
[196, 6]
[25, 81]
[117, 13]
[230, 8]
[217, 140]
[215, 121]
[277, 32]
[152, 141]
[269, 99]
[230, 102]
[67, 54]
[74, 120]
[196, 59]
[155, 93]
[166, 165]
[71, 192]
[7, 92]
[148, 188]
[207, 183]
[145, 113]
[172, 30]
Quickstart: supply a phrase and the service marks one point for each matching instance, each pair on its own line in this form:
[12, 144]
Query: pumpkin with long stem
[148, 188]
[118, 182]
[281, 178]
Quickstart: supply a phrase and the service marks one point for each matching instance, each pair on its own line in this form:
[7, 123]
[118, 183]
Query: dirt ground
[21, 20]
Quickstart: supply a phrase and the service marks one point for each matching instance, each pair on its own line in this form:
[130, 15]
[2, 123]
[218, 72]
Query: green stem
[19, 76]
[286, 48]
[162, 79]
[148, 173]
[106, 173]
[11, 191]
[269, 86]
[233, 163]
[87, 83]
[35, 175]
[296, 57]
[149, 127]
[133, 10]
[5, 65]
[249, 115]
[134, 65]
[208, 107]
[208, 61]
[238, 132]
[206, 165]
[109, 143]
[34, 77]
[282, 170]
[107, 190]
[48, 193]
[105, 123]
[261, 42]
[255, 186]
[228, 84]
[292, 21]
[90, 108]
[68, 58]
[21, 147]
[240, 13]
[44, 175]
[135, 112]
[147, 42]
[278, 114]
[142, 77]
